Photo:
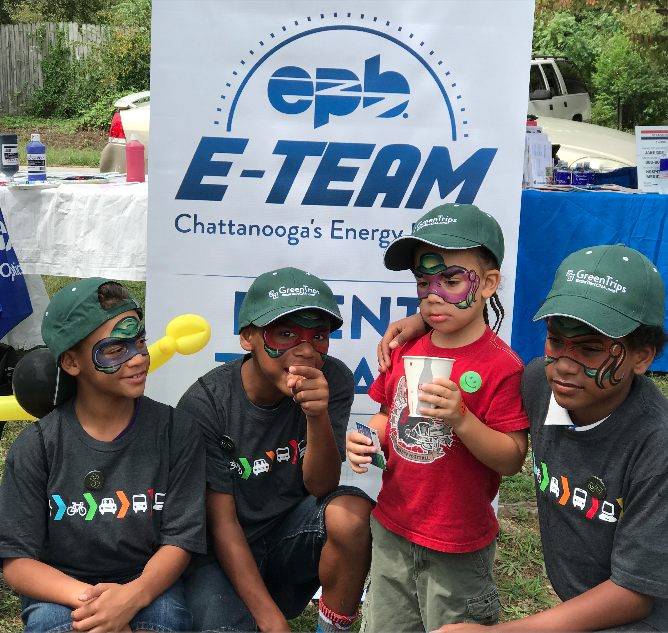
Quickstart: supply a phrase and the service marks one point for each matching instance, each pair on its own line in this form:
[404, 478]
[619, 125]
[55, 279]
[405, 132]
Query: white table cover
[79, 230]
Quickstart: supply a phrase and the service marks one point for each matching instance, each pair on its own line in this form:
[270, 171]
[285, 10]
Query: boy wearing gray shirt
[102, 500]
[599, 432]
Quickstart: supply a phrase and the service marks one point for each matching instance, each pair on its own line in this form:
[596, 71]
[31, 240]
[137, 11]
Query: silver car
[132, 117]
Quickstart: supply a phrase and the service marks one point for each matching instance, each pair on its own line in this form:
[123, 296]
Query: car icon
[107, 505]
[159, 500]
[260, 466]
[579, 498]
[139, 503]
[554, 486]
[282, 454]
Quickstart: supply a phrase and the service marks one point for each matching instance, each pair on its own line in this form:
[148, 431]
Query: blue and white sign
[312, 134]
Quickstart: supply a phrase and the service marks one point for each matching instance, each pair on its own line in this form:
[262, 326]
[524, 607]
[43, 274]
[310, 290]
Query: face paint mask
[127, 339]
[599, 355]
[453, 284]
[306, 326]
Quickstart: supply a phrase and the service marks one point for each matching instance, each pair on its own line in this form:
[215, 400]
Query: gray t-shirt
[152, 493]
[264, 468]
[617, 533]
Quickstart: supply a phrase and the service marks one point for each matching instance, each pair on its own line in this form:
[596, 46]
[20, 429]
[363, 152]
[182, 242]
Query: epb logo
[292, 81]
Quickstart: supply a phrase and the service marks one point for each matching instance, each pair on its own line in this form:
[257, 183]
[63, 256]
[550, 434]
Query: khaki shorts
[414, 588]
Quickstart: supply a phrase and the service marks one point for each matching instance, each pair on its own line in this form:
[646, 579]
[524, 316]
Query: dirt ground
[54, 138]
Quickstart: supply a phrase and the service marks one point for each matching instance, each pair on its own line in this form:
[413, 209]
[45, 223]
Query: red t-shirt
[435, 492]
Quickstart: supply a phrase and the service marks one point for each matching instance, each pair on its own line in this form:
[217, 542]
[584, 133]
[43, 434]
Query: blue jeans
[288, 560]
[168, 612]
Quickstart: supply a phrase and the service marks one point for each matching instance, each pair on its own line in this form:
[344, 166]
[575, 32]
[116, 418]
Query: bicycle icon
[77, 506]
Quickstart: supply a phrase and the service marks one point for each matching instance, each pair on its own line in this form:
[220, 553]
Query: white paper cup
[423, 370]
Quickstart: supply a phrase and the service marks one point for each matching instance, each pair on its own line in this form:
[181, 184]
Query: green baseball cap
[614, 289]
[448, 226]
[75, 312]
[280, 292]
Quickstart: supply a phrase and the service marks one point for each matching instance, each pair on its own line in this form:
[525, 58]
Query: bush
[101, 113]
[59, 95]
[119, 65]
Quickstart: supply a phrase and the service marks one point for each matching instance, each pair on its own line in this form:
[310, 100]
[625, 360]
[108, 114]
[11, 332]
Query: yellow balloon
[10, 409]
[186, 334]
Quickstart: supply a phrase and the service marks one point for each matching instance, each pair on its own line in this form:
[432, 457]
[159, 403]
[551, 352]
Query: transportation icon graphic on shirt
[260, 466]
[107, 505]
[77, 506]
[139, 503]
[282, 454]
[579, 498]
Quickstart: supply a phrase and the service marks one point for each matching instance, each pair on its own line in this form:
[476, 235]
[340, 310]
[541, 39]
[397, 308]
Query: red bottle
[134, 160]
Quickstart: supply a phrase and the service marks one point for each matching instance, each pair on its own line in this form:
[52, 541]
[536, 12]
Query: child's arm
[322, 462]
[42, 582]
[503, 452]
[358, 445]
[238, 563]
[605, 606]
[111, 606]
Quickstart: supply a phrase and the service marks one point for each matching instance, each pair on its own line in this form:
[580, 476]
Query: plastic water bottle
[563, 176]
[9, 156]
[663, 176]
[36, 159]
[579, 177]
[590, 174]
[134, 160]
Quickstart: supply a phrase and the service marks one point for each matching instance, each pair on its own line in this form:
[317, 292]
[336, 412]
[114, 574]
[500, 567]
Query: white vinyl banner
[312, 134]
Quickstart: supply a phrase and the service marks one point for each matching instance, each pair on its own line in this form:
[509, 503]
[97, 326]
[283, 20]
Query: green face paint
[127, 339]
[600, 356]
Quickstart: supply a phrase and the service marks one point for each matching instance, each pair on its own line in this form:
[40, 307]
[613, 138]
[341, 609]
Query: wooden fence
[22, 47]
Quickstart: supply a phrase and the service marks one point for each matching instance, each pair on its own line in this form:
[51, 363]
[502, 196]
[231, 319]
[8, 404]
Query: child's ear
[489, 283]
[245, 338]
[69, 363]
[644, 357]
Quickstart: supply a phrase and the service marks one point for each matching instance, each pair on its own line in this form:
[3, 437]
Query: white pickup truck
[556, 89]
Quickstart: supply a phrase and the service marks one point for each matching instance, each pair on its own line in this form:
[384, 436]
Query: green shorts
[414, 588]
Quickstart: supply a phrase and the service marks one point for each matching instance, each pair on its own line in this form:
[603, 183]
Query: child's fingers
[310, 395]
[357, 438]
[440, 385]
[94, 592]
[357, 462]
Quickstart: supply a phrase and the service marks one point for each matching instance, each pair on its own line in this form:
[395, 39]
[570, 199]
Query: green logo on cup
[470, 381]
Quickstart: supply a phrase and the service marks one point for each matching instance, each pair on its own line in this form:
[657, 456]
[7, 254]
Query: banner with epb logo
[312, 134]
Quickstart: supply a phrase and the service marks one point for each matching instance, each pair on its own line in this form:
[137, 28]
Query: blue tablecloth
[553, 225]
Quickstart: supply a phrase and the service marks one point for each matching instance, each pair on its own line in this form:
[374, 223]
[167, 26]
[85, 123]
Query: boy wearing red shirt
[434, 527]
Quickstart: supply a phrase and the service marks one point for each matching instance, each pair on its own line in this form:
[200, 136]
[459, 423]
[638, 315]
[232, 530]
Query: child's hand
[357, 446]
[445, 398]
[109, 607]
[310, 390]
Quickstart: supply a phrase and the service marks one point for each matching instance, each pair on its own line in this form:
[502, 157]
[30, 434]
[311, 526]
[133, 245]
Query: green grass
[136, 288]
[62, 157]
[66, 142]
[68, 126]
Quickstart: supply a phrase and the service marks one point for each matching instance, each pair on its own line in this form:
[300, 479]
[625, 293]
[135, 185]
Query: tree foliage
[626, 72]
[82, 11]
[117, 66]
[645, 21]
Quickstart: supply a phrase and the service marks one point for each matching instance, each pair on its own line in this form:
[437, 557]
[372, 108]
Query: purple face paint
[453, 284]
